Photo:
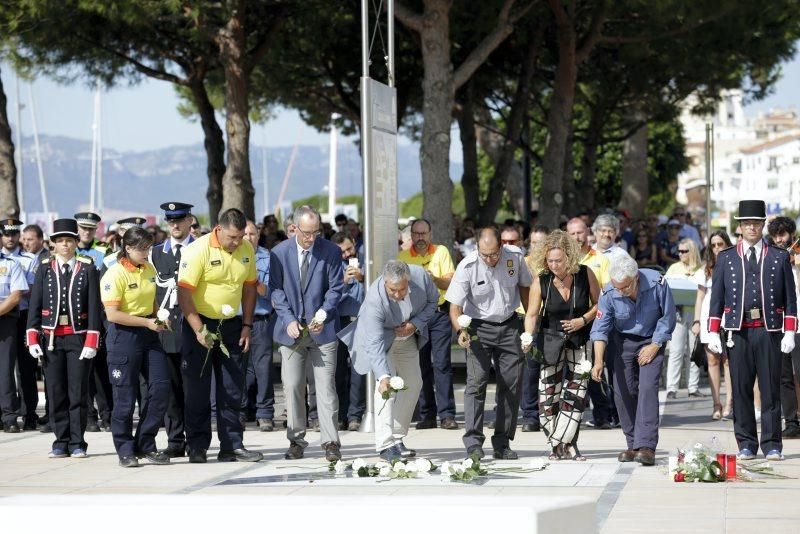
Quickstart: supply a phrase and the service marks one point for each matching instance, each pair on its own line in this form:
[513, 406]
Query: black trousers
[67, 382]
[9, 401]
[756, 353]
[173, 419]
[788, 395]
[501, 344]
[26, 374]
[100, 387]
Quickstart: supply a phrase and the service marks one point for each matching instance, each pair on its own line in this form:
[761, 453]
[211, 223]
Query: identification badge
[63, 320]
[755, 313]
[133, 286]
[216, 263]
[510, 263]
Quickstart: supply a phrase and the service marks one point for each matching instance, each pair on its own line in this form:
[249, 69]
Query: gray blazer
[371, 335]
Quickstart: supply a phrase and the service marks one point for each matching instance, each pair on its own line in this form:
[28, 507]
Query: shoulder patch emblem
[107, 287]
[510, 264]
[511, 272]
[85, 259]
[45, 261]
[184, 265]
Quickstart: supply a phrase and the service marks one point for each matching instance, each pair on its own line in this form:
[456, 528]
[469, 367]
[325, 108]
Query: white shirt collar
[300, 251]
[758, 246]
[60, 263]
[183, 244]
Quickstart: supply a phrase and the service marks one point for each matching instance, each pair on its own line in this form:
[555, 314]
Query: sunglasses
[717, 245]
[195, 226]
[682, 251]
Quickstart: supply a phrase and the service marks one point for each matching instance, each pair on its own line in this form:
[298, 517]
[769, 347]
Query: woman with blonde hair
[683, 338]
[563, 305]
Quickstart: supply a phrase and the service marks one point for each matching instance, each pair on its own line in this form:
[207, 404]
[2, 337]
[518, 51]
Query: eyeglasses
[682, 251]
[195, 226]
[737, 235]
[717, 245]
[492, 256]
[307, 235]
[419, 234]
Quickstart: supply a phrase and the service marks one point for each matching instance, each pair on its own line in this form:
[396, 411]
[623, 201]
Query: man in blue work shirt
[260, 389]
[637, 314]
[87, 244]
[12, 287]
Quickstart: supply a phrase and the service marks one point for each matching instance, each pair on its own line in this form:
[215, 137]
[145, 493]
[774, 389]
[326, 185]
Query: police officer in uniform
[636, 315]
[166, 258]
[12, 287]
[753, 286]
[65, 308]
[123, 225]
[26, 366]
[99, 418]
[487, 286]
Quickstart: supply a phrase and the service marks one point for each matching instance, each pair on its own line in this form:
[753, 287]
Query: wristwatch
[659, 345]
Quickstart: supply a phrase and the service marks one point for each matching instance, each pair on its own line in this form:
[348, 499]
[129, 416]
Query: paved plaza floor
[629, 497]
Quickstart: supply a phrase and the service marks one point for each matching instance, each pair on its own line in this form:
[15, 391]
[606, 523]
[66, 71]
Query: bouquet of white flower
[213, 337]
[396, 384]
[469, 469]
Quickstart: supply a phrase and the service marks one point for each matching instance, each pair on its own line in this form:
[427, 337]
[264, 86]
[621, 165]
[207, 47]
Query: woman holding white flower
[563, 304]
[128, 292]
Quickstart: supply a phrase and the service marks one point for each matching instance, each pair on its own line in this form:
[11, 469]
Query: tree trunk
[237, 183]
[570, 187]
[635, 190]
[9, 204]
[469, 150]
[214, 145]
[559, 118]
[591, 144]
[438, 99]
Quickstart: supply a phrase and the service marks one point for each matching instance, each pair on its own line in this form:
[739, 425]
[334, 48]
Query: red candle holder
[730, 467]
[722, 461]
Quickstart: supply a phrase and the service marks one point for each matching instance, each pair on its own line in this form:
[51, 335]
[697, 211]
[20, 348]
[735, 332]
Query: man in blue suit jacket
[306, 277]
[392, 324]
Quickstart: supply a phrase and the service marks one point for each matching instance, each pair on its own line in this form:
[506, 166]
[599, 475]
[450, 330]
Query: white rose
[411, 467]
[320, 316]
[423, 465]
[689, 458]
[457, 469]
[340, 467]
[381, 464]
[466, 464]
[464, 321]
[358, 463]
[399, 467]
[446, 469]
[385, 470]
[162, 315]
[537, 464]
[584, 367]
[397, 383]
[526, 338]
[227, 310]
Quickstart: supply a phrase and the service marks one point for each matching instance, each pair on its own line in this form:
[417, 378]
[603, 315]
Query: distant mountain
[139, 181]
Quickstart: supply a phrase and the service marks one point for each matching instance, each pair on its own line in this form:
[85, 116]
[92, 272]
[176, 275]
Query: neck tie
[178, 250]
[751, 261]
[65, 269]
[304, 270]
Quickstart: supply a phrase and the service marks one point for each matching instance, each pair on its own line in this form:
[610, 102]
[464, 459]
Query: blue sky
[144, 116]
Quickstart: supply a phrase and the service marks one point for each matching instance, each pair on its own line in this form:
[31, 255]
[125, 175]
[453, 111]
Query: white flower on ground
[464, 321]
[381, 464]
[398, 467]
[385, 470]
[227, 310]
[526, 338]
[397, 383]
[446, 469]
[411, 467]
[320, 317]
[583, 368]
[358, 463]
[536, 463]
[162, 315]
[457, 469]
[340, 467]
[423, 465]
[467, 463]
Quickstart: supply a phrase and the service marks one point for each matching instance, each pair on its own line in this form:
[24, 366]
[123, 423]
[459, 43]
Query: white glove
[88, 353]
[787, 343]
[715, 343]
[35, 351]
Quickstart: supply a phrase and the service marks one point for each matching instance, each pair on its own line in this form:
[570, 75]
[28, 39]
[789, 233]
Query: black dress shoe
[197, 457]
[505, 454]
[791, 432]
[405, 452]
[531, 427]
[155, 457]
[265, 425]
[91, 426]
[475, 450]
[391, 454]
[30, 424]
[295, 451]
[332, 451]
[448, 423]
[426, 423]
[128, 461]
[45, 428]
[239, 455]
[11, 428]
[175, 452]
[104, 425]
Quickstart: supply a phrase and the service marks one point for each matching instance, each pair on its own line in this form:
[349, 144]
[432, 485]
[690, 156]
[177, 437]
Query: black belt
[502, 323]
[258, 317]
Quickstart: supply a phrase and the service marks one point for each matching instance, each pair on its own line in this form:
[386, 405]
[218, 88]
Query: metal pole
[93, 177]
[368, 421]
[100, 207]
[39, 168]
[709, 185]
[264, 177]
[19, 154]
[390, 37]
[332, 162]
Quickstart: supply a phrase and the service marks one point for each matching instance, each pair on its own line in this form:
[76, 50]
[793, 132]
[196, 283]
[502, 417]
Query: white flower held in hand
[227, 310]
[584, 368]
[526, 338]
[464, 321]
[162, 315]
[319, 317]
[397, 383]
